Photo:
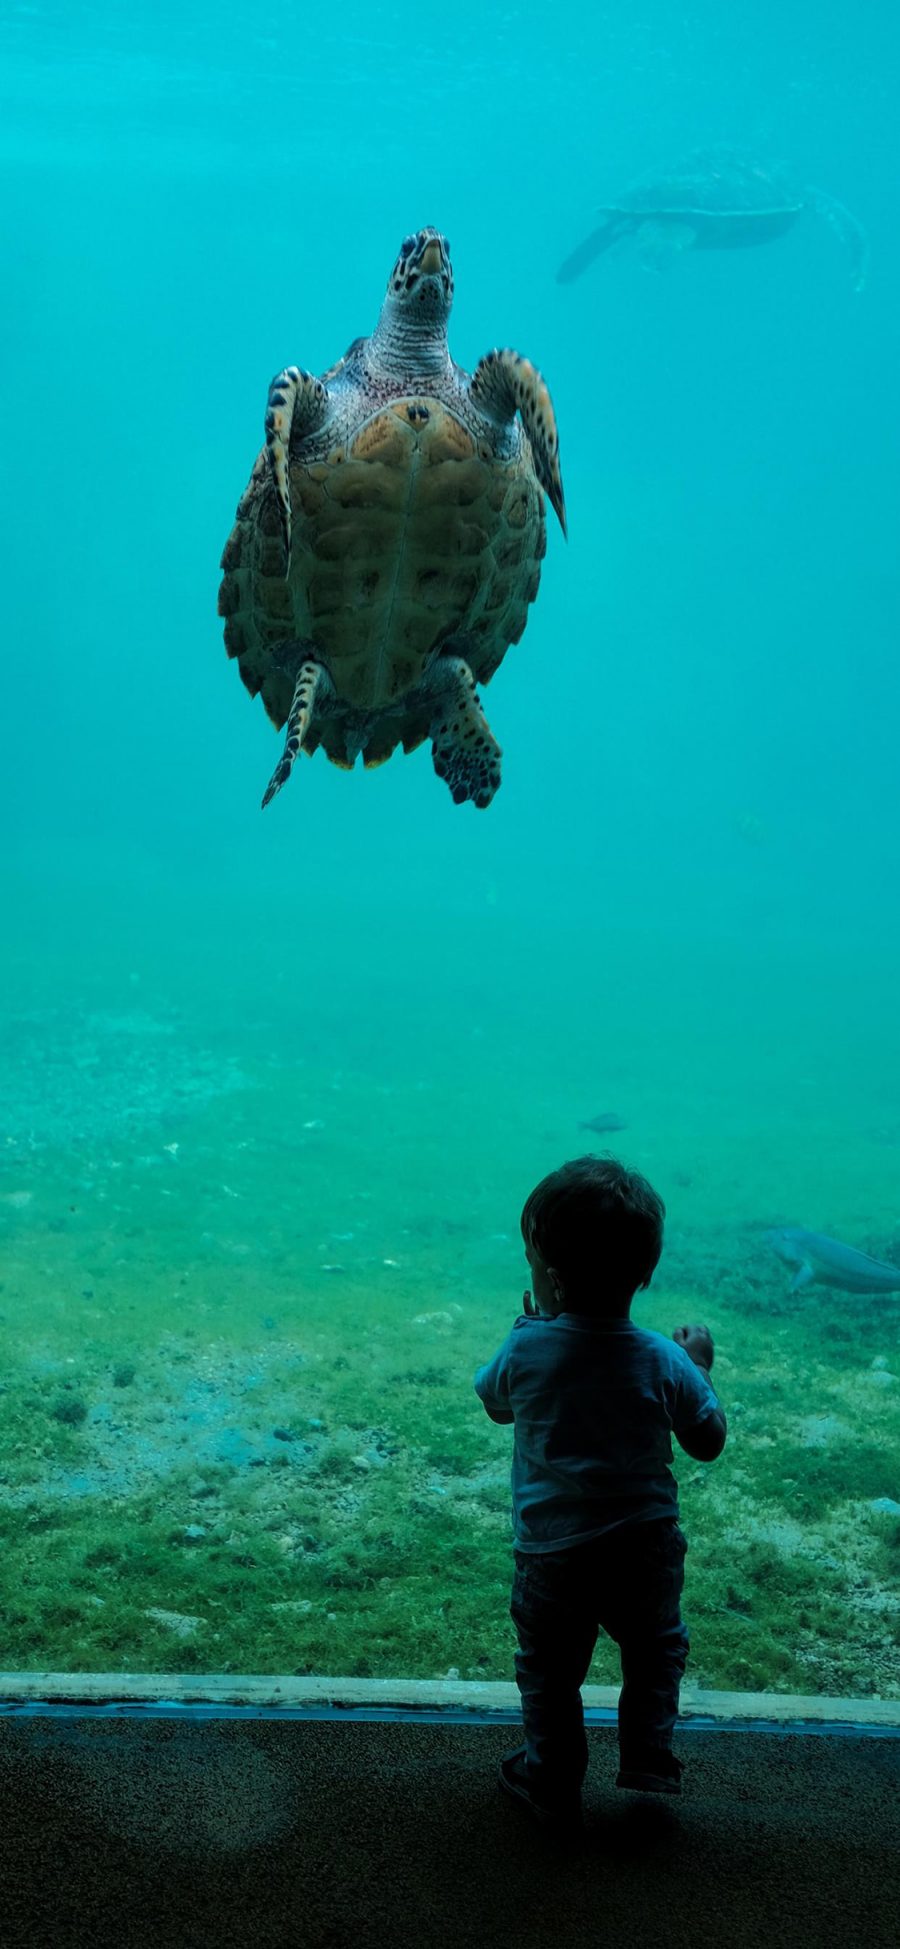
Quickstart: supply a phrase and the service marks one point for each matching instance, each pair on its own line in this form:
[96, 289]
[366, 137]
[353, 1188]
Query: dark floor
[325, 1834]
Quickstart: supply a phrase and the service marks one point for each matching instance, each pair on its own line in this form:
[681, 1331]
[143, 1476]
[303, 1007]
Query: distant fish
[607, 1120]
[826, 1262]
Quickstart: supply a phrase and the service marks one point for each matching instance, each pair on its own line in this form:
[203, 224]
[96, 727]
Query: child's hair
[601, 1227]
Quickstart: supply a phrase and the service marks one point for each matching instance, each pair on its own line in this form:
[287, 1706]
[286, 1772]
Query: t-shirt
[595, 1404]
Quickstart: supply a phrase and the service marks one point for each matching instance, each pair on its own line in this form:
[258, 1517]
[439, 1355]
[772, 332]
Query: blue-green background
[369, 1012]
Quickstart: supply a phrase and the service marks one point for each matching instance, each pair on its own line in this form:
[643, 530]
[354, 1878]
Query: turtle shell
[410, 537]
[712, 182]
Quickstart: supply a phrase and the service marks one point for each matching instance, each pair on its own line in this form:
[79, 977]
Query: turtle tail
[410, 730]
[613, 225]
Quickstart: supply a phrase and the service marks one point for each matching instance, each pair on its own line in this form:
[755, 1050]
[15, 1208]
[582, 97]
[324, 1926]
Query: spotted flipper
[466, 754]
[313, 684]
[297, 404]
[503, 384]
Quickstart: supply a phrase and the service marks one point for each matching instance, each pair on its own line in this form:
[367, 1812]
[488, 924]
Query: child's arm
[499, 1414]
[703, 1429]
[492, 1387]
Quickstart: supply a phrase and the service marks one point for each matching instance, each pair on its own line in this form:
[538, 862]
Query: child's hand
[697, 1342]
[528, 1306]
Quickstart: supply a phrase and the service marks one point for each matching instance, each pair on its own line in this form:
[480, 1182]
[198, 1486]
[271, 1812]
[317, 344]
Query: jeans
[627, 1583]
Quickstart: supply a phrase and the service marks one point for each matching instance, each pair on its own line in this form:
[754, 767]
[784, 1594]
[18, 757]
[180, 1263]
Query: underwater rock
[179, 1622]
[817, 1430]
[71, 1413]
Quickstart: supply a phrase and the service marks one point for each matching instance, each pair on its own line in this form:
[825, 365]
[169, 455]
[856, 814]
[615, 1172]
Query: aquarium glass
[275, 1084]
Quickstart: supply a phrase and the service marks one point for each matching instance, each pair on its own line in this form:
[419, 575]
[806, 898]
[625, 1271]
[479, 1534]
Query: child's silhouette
[594, 1401]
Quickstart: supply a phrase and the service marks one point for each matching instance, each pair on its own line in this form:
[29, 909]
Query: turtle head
[422, 279]
[413, 322]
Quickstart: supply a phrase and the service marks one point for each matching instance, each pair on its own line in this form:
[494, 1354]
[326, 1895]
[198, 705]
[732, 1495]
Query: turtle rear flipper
[846, 228]
[662, 240]
[466, 753]
[313, 685]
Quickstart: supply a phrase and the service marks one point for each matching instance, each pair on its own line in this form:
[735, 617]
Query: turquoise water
[274, 1087]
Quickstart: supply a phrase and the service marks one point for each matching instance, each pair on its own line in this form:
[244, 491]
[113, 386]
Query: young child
[594, 1401]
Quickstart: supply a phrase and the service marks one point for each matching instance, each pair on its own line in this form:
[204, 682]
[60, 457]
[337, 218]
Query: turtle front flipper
[313, 685]
[297, 404]
[504, 384]
[466, 753]
[613, 225]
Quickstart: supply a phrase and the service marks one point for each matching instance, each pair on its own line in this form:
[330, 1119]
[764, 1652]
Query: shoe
[656, 1770]
[563, 1818]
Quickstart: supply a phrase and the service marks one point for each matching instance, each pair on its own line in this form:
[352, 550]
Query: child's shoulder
[665, 1349]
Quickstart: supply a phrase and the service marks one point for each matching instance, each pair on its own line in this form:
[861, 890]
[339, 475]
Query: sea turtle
[714, 200]
[389, 542]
